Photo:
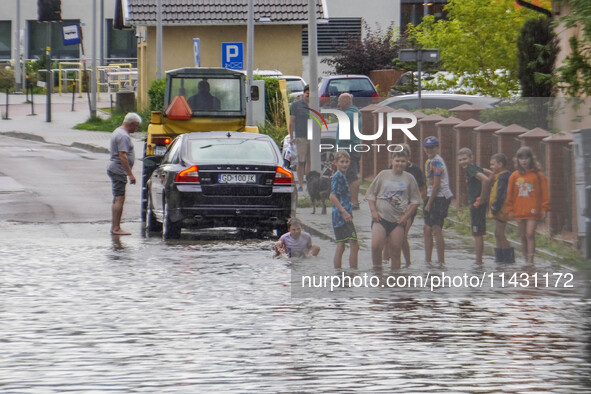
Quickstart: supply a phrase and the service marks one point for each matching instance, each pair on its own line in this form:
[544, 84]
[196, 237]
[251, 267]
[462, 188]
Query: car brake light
[161, 140]
[190, 174]
[324, 99]
[375, 98]
[282, 177]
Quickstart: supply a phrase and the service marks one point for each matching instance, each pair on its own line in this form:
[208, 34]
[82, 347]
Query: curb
[24, 136]
[317, 233]
[77, 145]
[90, 147]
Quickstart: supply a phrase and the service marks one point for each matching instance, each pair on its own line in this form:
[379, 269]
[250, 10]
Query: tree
[360, 56]
[575, 73]
[537, 53]
[477, 43]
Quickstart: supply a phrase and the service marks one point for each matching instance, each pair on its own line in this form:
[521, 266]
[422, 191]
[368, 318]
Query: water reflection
[216, 315]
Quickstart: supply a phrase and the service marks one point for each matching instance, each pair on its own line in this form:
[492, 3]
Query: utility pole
[93, 70]
[249, 61]
[159, 39]
[102, 29]
[48, 79]
[17, 60]
[315, 164]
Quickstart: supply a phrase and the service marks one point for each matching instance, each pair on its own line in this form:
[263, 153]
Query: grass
[111, 123]
[459, 220]
[306, 202]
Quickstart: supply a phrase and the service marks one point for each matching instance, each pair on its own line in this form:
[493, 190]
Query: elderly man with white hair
[122, 158]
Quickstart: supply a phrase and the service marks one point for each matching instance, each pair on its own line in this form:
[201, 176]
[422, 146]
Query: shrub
[156, 94]
[6, 79]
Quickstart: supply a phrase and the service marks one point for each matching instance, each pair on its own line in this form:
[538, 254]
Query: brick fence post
[506, 141]
[380, 152]
[366, 163]
[467, 111]
[484, 143]
[561, 199]
[533, 139]
[446, 133]
[464, 132]
[416, 146]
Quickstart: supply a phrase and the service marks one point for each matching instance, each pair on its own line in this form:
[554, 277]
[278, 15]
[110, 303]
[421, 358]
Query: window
[120, 43]
[210, 94]
[333, 35]
[38, 40]
[411, 11]
[231, 151]
[5, 40]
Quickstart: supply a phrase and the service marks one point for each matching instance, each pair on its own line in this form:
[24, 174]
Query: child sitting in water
[296, 243]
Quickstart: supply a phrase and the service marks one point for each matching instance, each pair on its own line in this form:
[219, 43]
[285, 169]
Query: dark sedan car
[219, 179]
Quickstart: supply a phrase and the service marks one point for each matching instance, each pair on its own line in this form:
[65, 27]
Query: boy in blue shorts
[474, 180]
[439, 196]
[342, 212]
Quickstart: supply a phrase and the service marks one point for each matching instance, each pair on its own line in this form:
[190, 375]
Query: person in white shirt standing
[122, 159]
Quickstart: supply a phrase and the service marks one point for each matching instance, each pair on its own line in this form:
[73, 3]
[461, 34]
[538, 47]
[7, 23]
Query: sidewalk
[22, 124]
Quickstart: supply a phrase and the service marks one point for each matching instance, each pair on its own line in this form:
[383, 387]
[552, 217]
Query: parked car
[360, 86]
[410, 102]
[408, 82]
[219, 179]
[295, 86]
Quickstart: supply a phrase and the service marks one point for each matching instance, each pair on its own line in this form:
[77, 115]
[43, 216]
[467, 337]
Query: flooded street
[88, 313]
[215, 312]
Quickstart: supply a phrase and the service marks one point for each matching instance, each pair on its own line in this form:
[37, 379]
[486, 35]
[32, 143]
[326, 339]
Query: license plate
[237, 178]
[159, 150]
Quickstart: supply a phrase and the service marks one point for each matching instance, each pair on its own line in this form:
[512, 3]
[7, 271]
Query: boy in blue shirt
[342, 212]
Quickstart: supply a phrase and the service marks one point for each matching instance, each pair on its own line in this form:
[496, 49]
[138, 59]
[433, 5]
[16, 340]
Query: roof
[219, 12]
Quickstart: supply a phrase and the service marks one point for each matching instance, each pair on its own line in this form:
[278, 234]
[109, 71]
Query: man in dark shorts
[122, 159]
[474, 181]
[298, 133]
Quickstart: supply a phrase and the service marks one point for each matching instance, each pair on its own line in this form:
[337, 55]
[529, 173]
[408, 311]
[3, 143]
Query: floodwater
[93, 314]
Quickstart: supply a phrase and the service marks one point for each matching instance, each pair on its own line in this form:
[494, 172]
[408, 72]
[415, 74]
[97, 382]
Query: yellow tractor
[195, 99]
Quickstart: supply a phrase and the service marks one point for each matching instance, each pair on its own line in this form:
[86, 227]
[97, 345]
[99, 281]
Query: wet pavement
[83, 311]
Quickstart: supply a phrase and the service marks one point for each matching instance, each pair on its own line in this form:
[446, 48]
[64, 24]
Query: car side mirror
[254, 93]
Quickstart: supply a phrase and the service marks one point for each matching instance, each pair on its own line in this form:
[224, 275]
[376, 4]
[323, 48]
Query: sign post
[197, 51]
[419, 56]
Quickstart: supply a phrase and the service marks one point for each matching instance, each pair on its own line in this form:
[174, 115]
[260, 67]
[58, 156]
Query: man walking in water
[122, 158]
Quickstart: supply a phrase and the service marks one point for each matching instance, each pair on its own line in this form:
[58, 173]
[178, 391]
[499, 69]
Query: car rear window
[349, 85]
[232, 151]
[295, 85]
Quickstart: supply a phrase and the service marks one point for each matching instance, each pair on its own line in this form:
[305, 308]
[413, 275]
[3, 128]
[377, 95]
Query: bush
[375, 51]
[529, 113]
[156, 94]
[274, 113]
[278, 133]
[6, 79]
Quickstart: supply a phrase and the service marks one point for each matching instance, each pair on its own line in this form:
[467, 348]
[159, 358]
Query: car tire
[170, 230]
[152, 225]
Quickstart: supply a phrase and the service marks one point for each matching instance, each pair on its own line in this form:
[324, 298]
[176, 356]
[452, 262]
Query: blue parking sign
[233, 55]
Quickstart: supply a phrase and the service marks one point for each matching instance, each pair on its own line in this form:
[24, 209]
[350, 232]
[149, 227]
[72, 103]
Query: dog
[318, 188]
